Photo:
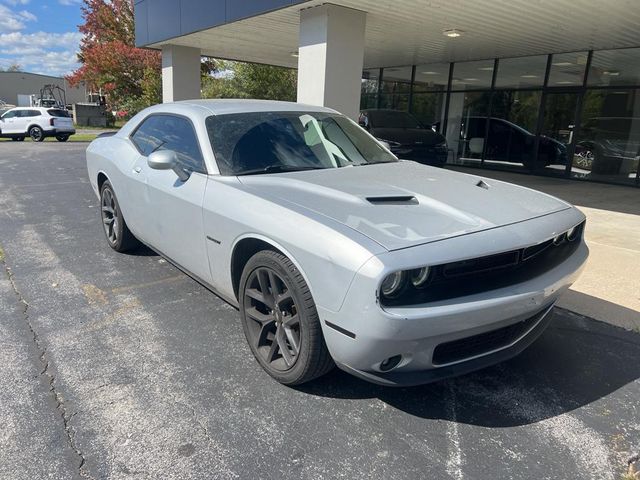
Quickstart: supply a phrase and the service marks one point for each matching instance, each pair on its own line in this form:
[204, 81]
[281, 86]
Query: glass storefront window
[523, 72]
[396, 80]
[466, 127]
[511, 139]
[368, 101]
[590, 133]
[615, 67]
[472, 75]
[431, 77]
[567, 69]
[429, 108]
[608, 143]
[370, 78]
[394, 102]
[558, 130]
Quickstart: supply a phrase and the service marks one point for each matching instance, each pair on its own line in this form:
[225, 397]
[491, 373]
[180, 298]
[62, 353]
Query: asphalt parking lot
[119, 366]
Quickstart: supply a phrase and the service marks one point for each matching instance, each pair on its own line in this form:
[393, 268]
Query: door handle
[137, 170]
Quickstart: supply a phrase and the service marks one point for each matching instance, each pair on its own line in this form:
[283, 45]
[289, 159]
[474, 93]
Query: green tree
[250, 80]
[110, 62]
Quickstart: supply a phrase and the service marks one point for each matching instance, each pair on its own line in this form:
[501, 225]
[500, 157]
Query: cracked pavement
[121, 367]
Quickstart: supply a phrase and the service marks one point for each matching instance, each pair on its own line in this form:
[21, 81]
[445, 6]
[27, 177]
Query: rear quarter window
[56, 112]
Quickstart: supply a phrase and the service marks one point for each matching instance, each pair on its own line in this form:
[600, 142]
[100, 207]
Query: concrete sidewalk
[609, 288]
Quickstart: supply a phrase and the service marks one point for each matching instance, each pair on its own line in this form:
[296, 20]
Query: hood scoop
[393, 200]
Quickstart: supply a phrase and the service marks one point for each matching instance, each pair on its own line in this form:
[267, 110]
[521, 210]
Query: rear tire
[62, 138]
[119, 237]
[280, 320]
[36, 133]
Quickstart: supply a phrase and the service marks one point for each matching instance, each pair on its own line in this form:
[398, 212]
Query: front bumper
[372, 334]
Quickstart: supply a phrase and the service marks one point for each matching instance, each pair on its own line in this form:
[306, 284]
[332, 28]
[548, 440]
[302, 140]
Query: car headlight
[392, 284]
[419, 276]
[573, 233]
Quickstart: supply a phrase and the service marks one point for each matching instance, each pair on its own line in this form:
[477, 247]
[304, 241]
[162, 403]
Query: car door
[167, 211]
[24, 119]
[8, 122]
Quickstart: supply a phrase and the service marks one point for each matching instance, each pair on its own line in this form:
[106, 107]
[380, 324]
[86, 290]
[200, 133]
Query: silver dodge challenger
[333, 250]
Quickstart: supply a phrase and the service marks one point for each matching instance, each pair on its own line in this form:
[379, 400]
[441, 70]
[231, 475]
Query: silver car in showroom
[333, 250]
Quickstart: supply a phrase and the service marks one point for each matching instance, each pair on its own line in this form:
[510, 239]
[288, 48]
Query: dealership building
[542, 87]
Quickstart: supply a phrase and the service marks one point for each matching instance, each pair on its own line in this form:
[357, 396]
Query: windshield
[393, 119]
[267, 142]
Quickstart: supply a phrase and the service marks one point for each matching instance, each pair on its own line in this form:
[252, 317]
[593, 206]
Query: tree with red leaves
[129, 76]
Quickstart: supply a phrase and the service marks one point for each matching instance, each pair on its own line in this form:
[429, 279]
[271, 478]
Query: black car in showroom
[609, 145]
[406, 136]
[508, 142]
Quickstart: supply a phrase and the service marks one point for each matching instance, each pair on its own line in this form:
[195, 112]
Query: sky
[40, 35]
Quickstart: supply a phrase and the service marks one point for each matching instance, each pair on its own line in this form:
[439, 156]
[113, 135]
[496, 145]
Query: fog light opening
[390, 363]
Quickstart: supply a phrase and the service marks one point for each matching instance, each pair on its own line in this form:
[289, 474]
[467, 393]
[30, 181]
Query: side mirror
[167, 160]
[364, 125]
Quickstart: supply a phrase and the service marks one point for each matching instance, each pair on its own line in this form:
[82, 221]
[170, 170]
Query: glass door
[556, 142]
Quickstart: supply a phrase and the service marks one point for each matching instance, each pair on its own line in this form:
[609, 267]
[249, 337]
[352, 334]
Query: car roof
[32, 108]
[223, 106]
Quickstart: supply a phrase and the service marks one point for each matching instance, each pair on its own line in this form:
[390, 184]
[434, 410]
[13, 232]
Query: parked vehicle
[611, 145]
[508, 142]
[334, 250]
[406, 136]
[37, 123]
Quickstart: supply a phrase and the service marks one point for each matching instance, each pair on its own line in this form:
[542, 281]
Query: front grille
[482, 274]
[484, 343]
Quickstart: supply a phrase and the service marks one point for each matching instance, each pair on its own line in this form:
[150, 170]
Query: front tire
[280, 320]
[119, 237]
[62, 138]
[36, 133]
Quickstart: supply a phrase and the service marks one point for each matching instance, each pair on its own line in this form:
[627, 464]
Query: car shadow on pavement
[574, 363]
[142, 251]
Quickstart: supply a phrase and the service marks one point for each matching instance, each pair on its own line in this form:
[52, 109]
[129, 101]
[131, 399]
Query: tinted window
[10, 114]
[169, 132]
[29, 113]
[56, 112]
[253, 142]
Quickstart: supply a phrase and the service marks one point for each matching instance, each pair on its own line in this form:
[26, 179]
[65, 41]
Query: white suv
[36, 122]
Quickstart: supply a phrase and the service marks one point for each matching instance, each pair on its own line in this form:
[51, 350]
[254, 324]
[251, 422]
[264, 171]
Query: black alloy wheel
[274, 325]
[280, 320]
[36, 134]
[116, 230]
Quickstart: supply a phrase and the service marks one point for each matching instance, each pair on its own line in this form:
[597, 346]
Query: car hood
[403, 204]
[408, 136]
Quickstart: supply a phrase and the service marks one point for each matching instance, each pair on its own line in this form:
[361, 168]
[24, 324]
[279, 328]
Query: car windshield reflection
[275, 142]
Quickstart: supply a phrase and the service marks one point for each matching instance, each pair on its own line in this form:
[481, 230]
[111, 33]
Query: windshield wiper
[278, 169]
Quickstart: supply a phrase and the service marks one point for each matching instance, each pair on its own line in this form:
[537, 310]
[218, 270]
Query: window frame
[205, 170]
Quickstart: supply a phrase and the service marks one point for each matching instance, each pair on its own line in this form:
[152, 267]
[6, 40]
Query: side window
[498, 128]
[170, 132]
[10, 114]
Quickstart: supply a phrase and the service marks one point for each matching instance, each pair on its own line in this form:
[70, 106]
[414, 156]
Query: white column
[330, 58]
[180, 73]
